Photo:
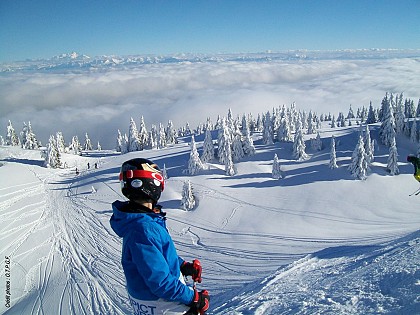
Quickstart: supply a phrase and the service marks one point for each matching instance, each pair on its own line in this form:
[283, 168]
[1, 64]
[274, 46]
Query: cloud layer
[100, 101]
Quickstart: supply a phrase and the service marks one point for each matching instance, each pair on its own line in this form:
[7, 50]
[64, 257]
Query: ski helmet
[141, 179]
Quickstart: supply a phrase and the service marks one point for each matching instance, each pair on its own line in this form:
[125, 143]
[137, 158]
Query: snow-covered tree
[333, 122]
[223, 137]
[29, 140]
[53, 156]
[161, 137]
[11, 136]
[268, 133]
[316, 143]
[284, 130]
[208, 148]
[276, 172]
[369, 148]
[61, 144]
[299, 144]
[188, 199]
[88, 144]
[119, 143]
[311, 123]
[387, 129]
[194, 164]
[248, 143]
[350, 114]
[99, 147]
[237, 148]
[225, 149]
[143, 135]
[359, 166]
[171, 137]
[133, 137]
[75, 147]
[399, 116]
[333, 156]
[392, 165]
[230, 168]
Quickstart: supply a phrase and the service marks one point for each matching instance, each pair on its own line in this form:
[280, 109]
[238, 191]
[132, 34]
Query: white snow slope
[314, 242]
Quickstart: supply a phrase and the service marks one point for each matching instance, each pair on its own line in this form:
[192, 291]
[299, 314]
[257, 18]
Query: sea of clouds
[102, 100]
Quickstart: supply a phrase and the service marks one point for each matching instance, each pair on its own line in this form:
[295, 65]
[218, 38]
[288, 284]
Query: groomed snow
[316, 241]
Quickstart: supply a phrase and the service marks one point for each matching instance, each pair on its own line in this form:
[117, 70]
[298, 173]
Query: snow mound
[373, 279]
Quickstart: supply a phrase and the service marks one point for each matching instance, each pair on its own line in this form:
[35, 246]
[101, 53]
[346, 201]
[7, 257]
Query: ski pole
[415, 193]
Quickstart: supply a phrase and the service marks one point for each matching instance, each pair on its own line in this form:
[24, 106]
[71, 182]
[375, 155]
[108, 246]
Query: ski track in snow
[354, 272]
[78, 251]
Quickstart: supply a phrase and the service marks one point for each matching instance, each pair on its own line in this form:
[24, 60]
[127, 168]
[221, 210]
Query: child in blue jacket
[153, 270]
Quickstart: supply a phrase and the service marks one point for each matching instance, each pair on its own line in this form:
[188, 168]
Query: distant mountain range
[75, 61]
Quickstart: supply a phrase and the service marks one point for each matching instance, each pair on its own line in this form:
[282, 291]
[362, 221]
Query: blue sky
[36, 29]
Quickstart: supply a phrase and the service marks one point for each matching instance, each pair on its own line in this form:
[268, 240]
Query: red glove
[192, 269]
[200, 303]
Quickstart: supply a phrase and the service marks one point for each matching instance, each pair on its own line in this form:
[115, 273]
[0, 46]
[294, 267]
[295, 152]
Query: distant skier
[153, 270]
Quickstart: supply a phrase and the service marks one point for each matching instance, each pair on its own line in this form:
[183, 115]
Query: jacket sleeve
[147, 251]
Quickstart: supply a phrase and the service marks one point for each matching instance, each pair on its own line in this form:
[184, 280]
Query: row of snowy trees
[233, 143]
[139, 139]
[56, 146]
[26, 139]
[396, 117]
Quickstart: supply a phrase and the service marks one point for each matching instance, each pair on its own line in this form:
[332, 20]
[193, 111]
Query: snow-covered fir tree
[161, 140]
[61, 144]
[316, 143]
[188, 199]
[225, 149]
[311, 124]
[53, 156]
[11, 136]
[392, 165]
[369, 148]
[276, 172]
[118, 145]
[230, 168]
[387, 129]
[171, 137]
[143, 135]
[299, 144]
[152, 143]
[88, 143]
[223, 137]
[399, 116]
[358, 166]
[29, 140]
[75, 147]
[133, 137]
[194, 163]
[284, 131]
[237, 148]
[350, 114]
[208, 148]
[333, 122]
[333, 156]
[209, 125]
[268, 133]
[248, 143]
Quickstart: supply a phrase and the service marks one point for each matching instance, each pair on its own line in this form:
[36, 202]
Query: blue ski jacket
[149, 258]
